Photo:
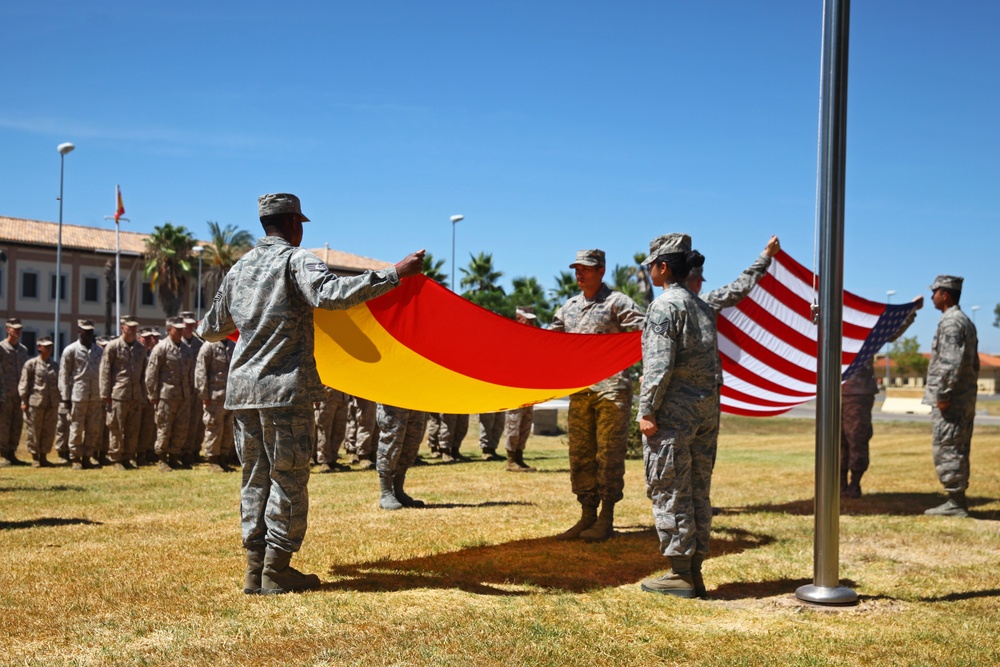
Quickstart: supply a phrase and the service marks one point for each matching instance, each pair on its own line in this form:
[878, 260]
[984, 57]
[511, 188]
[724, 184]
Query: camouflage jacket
[679, 352]
[170, 371]
[211, 370]
[39, 384]
[269, 296]
[953, 372]
[12, 360]
[80, 372]
[730, 295]
[121, 370]
[608, 312]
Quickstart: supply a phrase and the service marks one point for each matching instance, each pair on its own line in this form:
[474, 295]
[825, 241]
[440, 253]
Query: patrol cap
[667, 244]
[44, 341]
[948, 282]
[87, 325]
[282, 202]
[14, 323]
[176, 322]
[588, 258]
[189, 317]
[697, 272]
[129, 321]
[146, 331]
[527, 312]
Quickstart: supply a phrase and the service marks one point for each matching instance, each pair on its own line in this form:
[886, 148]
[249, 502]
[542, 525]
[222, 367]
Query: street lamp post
[888, 300]
[974, 309]
[454, 220]
[198, 250]
[63, 150]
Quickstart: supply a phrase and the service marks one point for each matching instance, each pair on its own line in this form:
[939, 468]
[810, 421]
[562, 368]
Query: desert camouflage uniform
[170, 382]
[680, 389]
[80, 382]
[331, 425]
[62, 431]
[599, 415]
[952, 375]
[400, 433]
[211, 372]
[269, 296]
[517, 428]
[490, 430]
[39, 390]
[434, 432]
[12, 360]
[196, 426]
[121, 380]
[365, 429]
[452, 432]
[146, 445]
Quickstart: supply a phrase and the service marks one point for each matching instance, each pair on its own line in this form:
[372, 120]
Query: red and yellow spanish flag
[119, 206]
[420, 346]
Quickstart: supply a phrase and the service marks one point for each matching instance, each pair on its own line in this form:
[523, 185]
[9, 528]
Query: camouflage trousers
[218, 424]
[86, 429]
[678, 460]
[434, 431]
[366, 429]
[951, 444]
[453, 430]
[598, 439]
[147, 430]
[196, 427]
[517, 428]
[123, 427]
[62, 431]
[11, 423]
[400, 433]
[331, 425]
[171, 426]
[490, 429]
[275, 447]
[41, 429]
[855, 431]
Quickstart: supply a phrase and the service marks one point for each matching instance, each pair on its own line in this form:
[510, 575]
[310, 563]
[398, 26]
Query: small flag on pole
[120, 210]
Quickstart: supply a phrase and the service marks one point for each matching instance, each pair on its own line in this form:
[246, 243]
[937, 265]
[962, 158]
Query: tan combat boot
[604, 527]
[588, 518]
[678, 581]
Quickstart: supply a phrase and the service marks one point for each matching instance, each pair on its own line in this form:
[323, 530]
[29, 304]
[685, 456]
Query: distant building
[28, 277]
[989, 374]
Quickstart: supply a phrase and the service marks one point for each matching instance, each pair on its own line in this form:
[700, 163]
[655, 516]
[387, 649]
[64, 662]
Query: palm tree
[433, 270]
[227, 245]
[565, 286]
[529, 292]
[645, 281]
[168, 253]
[481, 276]
[623, 282]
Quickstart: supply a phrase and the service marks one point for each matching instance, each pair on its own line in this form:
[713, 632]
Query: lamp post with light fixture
[63, 149]
[454, 220]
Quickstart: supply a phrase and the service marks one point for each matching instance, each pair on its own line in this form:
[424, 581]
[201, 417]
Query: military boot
[255, 568]
[163, 466]
[524, 466]
[397, 487]
[516, 464]
[679, 581]
[854, 487]
[35, 461]
[956, 505]
[587, 519]
[604, 527]
[491, 455]
[387, 498]
[280, 577]
[215, 464]
[696, 578]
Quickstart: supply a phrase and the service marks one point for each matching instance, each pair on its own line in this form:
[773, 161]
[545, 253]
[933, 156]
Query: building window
[91, 289]
[52, 287]
[28, 339]
[148, 298]
[29, 285]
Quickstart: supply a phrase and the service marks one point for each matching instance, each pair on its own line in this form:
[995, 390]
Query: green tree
[996, 316]
[481, 275]
[565, 287]
[643, 279]
[905, 353]
[226, 246]
[432, 269]
[529, 292]
[168, 264]
[623, 281]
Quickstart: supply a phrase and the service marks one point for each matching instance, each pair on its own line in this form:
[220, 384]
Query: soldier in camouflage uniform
[517, 423]
[400, 433]
[170, 386]
[269, 297]
[331, 425]
[122, 366]
[80, 388]
[490, 430]
[39, 391]
[13, 356]
[952, 384]
[146, 445]
[679, 415]
[196, 425]
[599, 415]
[451, 433]
[211, 374]
[365, 434]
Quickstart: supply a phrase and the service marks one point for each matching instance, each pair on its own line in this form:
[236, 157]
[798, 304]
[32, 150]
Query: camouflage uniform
[39, 390]
[170, 382]
[269, 297]
[122, 367]
[12, 360]
[210, 377]
[952, 376]
[599, 415]
[680, 389]
[452, 432]
[366, 433]
[146, 446]
[400, 434]
[80, 382]
[490, 430]
[62, 431]
[331, 424]
[517, 428]
[434, 433]
[196, 425]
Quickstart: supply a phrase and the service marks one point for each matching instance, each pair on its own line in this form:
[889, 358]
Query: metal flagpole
[826, 588]
[118, 251]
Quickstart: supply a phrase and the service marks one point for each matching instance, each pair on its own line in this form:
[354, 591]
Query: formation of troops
[187, 398]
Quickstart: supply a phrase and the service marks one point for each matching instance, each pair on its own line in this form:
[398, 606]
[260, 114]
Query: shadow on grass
[901, 504]
[543, 564]
[967, 595]
[46, 522]
[57, 487]
[488, 503]
[756, 589]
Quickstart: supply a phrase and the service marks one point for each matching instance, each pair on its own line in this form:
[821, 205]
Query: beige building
[28, 277]
[989, 374]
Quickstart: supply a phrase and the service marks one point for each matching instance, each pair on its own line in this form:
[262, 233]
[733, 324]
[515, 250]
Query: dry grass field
[141, 568]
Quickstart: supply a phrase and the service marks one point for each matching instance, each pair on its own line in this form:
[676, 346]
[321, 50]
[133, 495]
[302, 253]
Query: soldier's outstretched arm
[321, 288]
[734, 292]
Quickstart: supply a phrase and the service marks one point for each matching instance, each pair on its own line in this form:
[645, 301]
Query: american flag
[768, 340]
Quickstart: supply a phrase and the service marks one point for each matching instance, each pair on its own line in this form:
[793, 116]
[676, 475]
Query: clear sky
[551, 126]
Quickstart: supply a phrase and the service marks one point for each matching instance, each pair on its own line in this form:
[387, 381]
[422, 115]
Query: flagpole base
[839, 595]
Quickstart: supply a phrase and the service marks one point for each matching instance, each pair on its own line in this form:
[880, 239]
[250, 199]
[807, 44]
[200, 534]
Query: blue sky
[551, 126]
